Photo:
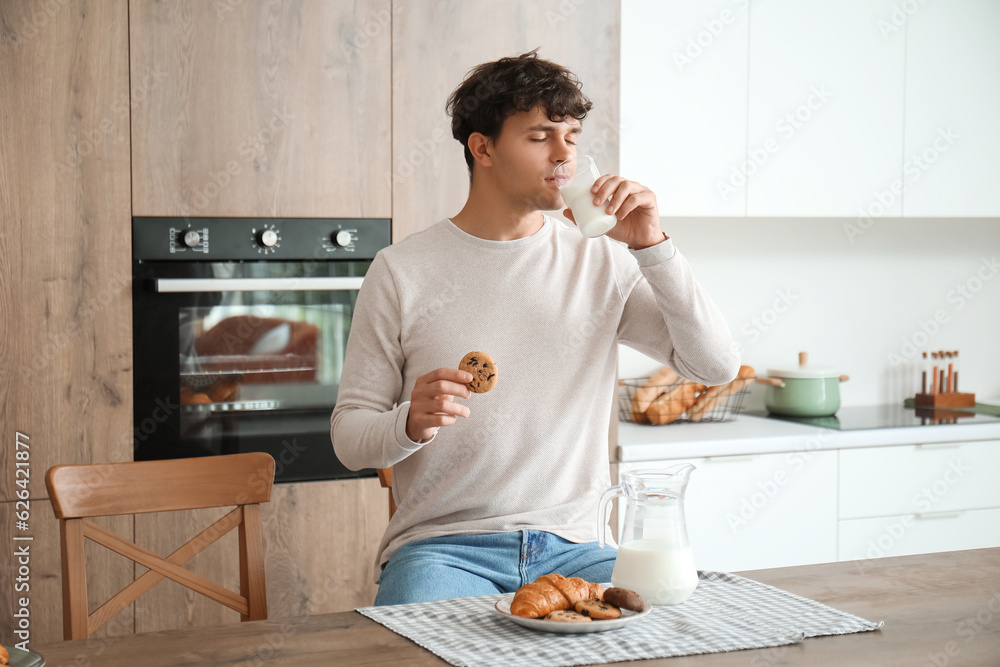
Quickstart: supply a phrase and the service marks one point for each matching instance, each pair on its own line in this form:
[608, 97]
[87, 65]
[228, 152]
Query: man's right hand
[432, 402]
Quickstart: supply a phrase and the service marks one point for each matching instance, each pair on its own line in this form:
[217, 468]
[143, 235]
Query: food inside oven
[242, 358]
[262, 349]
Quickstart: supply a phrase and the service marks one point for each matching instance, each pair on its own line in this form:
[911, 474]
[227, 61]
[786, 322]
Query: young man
[496, 489]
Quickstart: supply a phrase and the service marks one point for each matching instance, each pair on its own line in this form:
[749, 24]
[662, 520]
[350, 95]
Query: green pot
[802, 391]
[804, 397]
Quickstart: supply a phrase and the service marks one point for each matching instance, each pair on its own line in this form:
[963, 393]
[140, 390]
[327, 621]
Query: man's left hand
[634, 205]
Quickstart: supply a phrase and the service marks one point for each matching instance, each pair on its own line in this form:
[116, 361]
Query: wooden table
[939, 609]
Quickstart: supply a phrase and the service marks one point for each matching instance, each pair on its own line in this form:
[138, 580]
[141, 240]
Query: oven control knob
[342, 238]
[191, 238]
[268, 238]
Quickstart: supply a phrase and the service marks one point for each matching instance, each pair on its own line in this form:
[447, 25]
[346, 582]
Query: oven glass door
[245, 356]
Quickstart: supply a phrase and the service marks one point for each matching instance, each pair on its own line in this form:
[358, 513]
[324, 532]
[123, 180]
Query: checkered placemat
[726, 613]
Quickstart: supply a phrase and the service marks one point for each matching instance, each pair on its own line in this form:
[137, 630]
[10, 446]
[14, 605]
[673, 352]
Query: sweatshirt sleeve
[669, 317]
[368, 425]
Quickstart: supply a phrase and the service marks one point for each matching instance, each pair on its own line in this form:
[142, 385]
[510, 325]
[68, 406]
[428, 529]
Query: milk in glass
[592, 220]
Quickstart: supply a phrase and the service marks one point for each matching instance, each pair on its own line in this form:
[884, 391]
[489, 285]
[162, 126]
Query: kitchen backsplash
[865, 297]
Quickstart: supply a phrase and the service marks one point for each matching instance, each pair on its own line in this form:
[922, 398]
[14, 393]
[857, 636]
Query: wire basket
[681, 402]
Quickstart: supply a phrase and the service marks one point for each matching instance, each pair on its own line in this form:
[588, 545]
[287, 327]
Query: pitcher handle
[602, 512]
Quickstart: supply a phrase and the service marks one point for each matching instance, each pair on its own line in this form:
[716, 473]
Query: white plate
[503, 608]
[19, 658]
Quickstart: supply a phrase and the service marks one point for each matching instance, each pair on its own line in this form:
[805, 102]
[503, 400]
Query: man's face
[525, 154]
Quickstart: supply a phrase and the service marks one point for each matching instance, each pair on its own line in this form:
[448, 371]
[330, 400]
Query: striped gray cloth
[726, 613]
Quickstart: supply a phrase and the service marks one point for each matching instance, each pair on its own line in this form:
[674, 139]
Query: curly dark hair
[493, 91]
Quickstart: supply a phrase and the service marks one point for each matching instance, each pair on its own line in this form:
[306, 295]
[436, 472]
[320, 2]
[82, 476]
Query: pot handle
[845, 378]
[774, 382]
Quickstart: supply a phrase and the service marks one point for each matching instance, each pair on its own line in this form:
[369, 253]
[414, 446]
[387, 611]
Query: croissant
[552, 592]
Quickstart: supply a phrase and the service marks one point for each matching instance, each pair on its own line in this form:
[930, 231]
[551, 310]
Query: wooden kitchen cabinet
[436, 43]
[65, 275]
[65, 361]
[260, 109]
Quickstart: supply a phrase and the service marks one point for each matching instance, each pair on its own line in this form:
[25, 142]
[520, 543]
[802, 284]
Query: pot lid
[804, 370]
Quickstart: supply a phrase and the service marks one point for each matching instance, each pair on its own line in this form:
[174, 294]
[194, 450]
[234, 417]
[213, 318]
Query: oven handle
[190, 285]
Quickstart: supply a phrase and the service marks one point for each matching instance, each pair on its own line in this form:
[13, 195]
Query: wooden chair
[385, 479]
[79, 492]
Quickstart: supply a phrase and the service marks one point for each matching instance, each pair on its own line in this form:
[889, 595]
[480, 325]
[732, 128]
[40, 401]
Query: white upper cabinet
[684, 102]
[856, 108]
[952, 145]
[825, 108]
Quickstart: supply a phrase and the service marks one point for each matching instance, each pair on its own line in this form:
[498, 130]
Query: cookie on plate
[598, 610]
[567, 616]
[483, 369]
[624, 598]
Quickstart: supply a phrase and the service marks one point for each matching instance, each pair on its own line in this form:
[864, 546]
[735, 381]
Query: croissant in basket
[707, 401]
[552, 592]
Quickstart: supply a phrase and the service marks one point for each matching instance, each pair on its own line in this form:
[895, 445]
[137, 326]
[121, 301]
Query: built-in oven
[239, 332]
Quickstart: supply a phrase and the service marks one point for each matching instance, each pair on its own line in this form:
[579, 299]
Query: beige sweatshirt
[551, 310]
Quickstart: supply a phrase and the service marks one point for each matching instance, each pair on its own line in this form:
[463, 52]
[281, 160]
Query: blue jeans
[463, 565]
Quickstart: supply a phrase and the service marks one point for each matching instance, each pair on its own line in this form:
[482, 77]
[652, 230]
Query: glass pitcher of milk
[654, 556]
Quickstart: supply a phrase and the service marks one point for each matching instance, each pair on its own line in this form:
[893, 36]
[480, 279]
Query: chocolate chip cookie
[598, 610]
[567, 616]
[483, 369]
[624, 598]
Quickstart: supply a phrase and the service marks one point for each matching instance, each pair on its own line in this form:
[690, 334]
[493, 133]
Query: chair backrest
[385, 479]
[80, 492]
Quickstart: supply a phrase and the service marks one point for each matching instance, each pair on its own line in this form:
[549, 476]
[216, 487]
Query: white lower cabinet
[774, 510]
[864, 539]
[919, 479]
[910, 499]
[760, 511]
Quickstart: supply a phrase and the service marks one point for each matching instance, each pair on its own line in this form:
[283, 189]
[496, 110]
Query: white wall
[851, 305]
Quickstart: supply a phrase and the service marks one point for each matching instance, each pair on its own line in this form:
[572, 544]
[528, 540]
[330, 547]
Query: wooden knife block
[953, 400]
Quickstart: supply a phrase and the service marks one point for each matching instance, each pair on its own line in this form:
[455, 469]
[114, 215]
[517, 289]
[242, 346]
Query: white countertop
[759, 435]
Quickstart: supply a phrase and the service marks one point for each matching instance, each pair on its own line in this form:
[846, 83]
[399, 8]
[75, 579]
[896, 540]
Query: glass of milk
[575, 177]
